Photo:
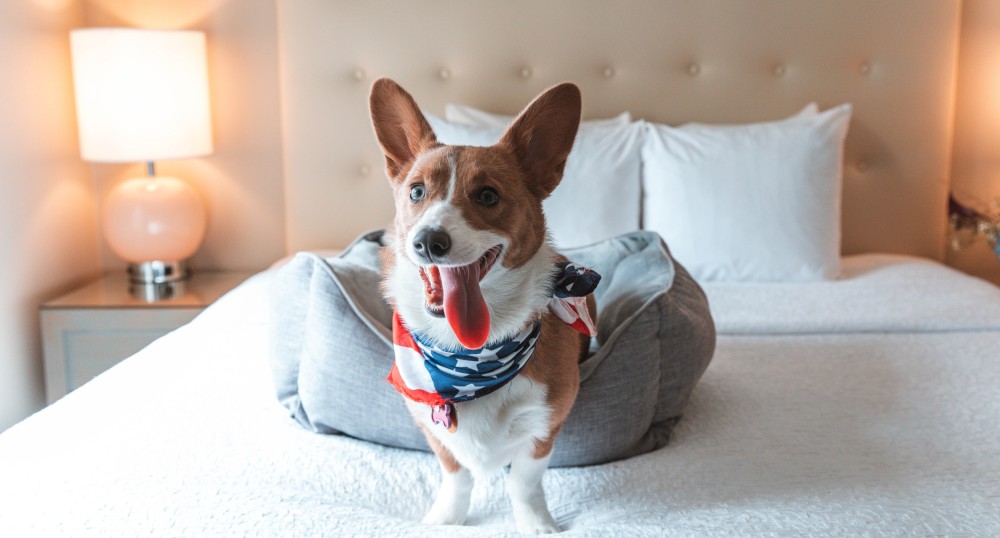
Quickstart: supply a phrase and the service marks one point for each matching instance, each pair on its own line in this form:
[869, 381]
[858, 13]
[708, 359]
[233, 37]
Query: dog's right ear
[400, 127]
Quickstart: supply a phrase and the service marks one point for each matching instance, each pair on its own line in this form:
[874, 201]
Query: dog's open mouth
[453, 292]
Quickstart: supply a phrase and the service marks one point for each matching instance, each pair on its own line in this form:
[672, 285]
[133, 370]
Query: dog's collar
[432, 375]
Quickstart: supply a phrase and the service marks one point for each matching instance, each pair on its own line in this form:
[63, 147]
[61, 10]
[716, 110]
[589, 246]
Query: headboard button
[364, 169]
[694, 69]
[609, 72]
[445, 74]
[359, 74]
[862, 166]
[865, 68]
[526, 72]
[780, 70]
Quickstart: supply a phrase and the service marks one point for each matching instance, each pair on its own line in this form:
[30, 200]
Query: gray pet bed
[331, 350]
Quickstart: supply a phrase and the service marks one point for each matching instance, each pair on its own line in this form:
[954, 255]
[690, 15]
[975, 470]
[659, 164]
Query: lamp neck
[150, 169]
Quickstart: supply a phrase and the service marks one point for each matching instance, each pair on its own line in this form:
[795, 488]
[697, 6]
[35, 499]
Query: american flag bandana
[429, 374]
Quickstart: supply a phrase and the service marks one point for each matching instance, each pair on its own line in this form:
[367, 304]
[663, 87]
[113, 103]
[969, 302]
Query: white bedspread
[856, 433]
[876, 293]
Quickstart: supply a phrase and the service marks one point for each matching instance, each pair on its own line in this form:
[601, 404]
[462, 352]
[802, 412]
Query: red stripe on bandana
[417, 395]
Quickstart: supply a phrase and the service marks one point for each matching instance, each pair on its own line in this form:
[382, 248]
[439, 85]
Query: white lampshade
[141, 95]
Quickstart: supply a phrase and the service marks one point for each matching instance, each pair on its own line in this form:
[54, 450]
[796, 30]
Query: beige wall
[976, 166]
[47, 223]
[242, 181]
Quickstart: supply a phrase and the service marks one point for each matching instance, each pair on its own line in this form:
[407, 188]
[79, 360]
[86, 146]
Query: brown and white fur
[517, 424]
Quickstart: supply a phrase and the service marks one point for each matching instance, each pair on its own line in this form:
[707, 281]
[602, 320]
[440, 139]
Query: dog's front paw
[447, 509]
[439, 515]
[452, 501]
[535, 522]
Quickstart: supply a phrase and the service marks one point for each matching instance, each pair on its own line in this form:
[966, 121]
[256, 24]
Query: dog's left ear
[542, 135]
[400, 127]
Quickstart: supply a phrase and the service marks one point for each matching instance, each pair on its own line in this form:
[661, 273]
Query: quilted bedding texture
[849, 433]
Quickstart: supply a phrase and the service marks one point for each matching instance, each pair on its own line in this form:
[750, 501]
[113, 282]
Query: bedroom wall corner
[976, 152]
[242, 181]
[47, 214]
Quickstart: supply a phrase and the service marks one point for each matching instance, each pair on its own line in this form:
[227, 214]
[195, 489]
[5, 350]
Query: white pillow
[468, 115]
[599, 194]
[757, 202]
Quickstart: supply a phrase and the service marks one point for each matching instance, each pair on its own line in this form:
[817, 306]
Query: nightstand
[92, 328]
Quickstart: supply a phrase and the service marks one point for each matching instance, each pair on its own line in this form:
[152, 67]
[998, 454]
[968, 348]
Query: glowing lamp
[142, 96]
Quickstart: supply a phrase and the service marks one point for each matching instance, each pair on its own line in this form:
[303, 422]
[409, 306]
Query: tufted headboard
[667, 61]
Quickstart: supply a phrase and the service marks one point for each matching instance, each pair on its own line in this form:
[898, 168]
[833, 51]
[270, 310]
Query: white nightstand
[92, 328]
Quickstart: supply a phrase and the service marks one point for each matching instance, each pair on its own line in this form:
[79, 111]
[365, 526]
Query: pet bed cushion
[331, 350]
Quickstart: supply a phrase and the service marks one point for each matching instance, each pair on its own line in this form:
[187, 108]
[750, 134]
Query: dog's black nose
[431, 243]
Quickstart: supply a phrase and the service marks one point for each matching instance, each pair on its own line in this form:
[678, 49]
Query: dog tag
[445, 415]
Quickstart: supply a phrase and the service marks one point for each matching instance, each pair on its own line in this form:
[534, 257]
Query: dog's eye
[417, 192]
[488, 197]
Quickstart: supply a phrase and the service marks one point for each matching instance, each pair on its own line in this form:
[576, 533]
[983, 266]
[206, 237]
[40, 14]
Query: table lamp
[142, 96]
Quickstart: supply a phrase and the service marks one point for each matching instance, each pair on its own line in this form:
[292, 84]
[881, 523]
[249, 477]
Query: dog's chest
[493, 428]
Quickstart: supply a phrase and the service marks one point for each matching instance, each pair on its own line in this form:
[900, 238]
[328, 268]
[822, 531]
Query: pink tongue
[464, 306]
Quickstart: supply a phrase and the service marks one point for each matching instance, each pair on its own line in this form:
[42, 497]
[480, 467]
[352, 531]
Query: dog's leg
[524, 485]
[452, 501]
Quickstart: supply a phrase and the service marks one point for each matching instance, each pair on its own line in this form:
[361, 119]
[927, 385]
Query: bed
[859, 405]
[834, 426]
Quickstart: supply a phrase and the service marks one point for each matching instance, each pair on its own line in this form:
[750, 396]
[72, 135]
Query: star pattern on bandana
[463, 363]
[465, 390]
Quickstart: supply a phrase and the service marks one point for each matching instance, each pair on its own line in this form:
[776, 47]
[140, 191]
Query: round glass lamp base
[154, 223]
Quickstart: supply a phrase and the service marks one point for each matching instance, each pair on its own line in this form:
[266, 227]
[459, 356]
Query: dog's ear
[400, 127]
[542, 135]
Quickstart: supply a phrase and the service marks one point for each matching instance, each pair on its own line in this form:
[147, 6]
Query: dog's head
[465, 213]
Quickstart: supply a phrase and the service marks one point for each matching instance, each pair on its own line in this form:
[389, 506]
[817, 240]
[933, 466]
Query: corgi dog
[486, 357]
